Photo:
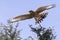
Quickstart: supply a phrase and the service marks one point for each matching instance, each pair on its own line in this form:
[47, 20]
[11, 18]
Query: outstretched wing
[21, 17]
[41, 9]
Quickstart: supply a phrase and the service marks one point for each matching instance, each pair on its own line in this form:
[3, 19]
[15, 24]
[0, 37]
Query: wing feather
[41, 9]
[21, 17]
[40, 17]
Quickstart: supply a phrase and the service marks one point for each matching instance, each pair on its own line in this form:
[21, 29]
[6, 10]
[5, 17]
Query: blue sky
[12, 8]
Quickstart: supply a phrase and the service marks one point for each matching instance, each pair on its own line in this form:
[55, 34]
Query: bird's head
[31, 11]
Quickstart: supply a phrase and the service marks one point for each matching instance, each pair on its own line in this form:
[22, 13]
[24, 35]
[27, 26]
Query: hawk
[38, 14]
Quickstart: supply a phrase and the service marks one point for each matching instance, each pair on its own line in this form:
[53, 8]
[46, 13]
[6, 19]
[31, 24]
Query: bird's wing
[41, 9]
[21, 17]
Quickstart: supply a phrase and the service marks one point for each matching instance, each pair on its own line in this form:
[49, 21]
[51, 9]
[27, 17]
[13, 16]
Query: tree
[43, 33]
[8, 32]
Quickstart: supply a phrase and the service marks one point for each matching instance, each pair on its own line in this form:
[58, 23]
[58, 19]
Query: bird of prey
[38, 14]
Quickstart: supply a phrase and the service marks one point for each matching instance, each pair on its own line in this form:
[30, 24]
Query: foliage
[8, 32]
[43, 33]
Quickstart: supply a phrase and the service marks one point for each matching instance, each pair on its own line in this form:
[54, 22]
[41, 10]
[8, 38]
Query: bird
[38, 14]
